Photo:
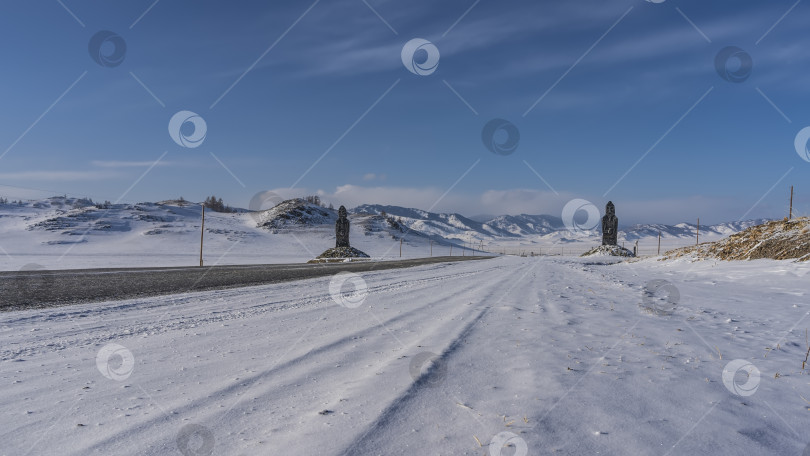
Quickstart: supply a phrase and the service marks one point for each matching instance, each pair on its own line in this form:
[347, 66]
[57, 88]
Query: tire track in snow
[321, 356]
[108, 314]
[364, 444]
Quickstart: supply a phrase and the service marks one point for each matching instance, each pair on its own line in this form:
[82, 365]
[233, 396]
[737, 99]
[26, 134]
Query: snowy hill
[294, 213]
[778, 240]
[448, 226]
[688, 230]
[62, 232]
[453, 225]
[524, 224]
[538, 234]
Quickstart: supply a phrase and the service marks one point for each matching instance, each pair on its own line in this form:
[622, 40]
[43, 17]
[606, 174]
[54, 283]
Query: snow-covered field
[50, 234]
[68, 233]
[533, 356]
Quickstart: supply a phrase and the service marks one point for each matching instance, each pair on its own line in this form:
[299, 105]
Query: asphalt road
[37, 289]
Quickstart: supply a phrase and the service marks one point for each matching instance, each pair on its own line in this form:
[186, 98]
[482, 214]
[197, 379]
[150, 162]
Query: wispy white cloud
[373, 176]
[126, 164]
[362, 44]
[541, 38]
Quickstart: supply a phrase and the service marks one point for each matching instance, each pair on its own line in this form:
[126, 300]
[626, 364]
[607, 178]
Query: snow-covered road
[499, 357]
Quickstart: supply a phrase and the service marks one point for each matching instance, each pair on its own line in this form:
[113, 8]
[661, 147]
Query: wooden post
[451, 249]
[790, 216]
[659, 243]
[400, 247]
[202, 230]
[431, 247]
[697, 241]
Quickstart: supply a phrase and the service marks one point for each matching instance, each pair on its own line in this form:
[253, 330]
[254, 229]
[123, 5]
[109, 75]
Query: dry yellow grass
[777, 240]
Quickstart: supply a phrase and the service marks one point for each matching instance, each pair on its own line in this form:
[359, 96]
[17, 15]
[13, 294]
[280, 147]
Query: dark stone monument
[610, 225]
[342, 228]
[610, 237]
[342, 251]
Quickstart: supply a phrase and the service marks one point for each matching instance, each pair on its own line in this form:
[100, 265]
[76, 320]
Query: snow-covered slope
[448, 226]
[778, 240]
[62, 232]
[455, 226]
[293, 214]
[688, 230]
[525, 225]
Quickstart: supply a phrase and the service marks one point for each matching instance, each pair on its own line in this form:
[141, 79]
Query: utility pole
[202, 230]
[659, 243]
[451, 249]
[791, 203]
[400, 247]
[431, 247]
[697, 241]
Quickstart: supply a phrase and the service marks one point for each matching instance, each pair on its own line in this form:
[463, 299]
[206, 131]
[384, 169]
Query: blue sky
[281, 84]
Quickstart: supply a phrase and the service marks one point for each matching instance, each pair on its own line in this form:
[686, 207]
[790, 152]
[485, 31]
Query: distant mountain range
[456, 226]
